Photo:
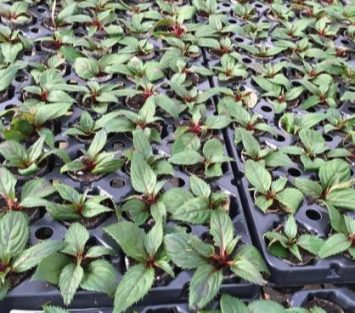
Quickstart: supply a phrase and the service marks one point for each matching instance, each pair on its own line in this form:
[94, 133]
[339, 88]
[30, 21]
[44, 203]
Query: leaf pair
[212, 159]
[32, 195]
[344, 237]
[288, 240]
[271, 194]
[144, 181]
[268, 156]
[146, 251]
[229, 304]
[94, 160]
[78, 266]
[194, 206]
[334, 187]
[75, 206]
[212, 260]
[28, 161]
[14, 257]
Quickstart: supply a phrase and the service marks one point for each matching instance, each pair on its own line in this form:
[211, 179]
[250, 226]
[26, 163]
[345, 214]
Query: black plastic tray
[343, 297]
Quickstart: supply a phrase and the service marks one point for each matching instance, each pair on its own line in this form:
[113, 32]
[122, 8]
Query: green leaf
[98, 251]
[199, 187]
[265, 306]
[7, 75]
[35, 151]
[69, 281]
[143, 178]
[97, 144]
[154, 239]
[246, 269]
[4, 288]
[50, 112]
[217, 121]
[230, 304]
[14, 233]
[258, 176]
[334, 245]
[187, 157]
[76, 239]
[342, 198]
[336, 219]
[333, 171]
[350, 224]
[32, 256]
[38, 188]
[49, 268]
[100, 276]
[168, 105]
[54, 309]
[213, 151]
[7, 183]
[181, 251]
[290, 198]
[187, 141]
[141, 143]
[250, 144]
[193, 211]
[252, 254]
[308, 187]
[310, 243]
[222, 230]
[13, 152]
[296, 252]
[263, 203]
[204, 285]
[135, 284]
[174, 198]
[91, 209]
[86, 68]
[70, 54]
[290, 227]
[68, 193]
[130, 238]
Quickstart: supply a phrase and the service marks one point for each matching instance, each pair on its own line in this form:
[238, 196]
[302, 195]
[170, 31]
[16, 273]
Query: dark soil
[328, 306]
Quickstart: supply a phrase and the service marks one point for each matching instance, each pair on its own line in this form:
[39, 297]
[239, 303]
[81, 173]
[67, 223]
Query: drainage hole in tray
[43, 233]
[294, 172]
[280, 138]
[327, 137]
[266, 108]
[313, 215]
[247, 60]
[118, 145]
[117, 183]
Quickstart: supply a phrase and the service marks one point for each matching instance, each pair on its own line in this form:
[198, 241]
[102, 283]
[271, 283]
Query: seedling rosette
[214, 260]
[15, 258]
[271, 195]
[78, 265]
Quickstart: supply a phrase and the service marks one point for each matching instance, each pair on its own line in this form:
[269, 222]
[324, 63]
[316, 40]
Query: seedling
[94, 162]
[32, 195]
[15, 258]
[196, 205]
[214, 260]
[271, 195]
[26, 162]
[147, 251]
[335, 185]
[75, 206]
[78, 265]
[287, 240]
